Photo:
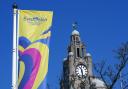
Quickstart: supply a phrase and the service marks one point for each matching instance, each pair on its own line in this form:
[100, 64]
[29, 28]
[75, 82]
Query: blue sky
[103, 26]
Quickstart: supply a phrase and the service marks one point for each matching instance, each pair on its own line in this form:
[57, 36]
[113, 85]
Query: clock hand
[81, 71]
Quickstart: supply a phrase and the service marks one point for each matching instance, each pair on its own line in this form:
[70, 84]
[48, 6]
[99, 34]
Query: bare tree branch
[113, 72]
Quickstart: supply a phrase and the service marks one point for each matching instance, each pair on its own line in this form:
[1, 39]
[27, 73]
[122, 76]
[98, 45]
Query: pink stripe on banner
[35, 54]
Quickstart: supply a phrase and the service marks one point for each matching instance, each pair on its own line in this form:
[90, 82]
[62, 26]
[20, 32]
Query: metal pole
[14, 54]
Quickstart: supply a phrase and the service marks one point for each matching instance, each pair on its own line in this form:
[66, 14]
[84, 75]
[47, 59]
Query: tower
[77, 67]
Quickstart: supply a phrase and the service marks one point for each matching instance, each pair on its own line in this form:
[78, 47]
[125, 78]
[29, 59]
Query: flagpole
[15, 52]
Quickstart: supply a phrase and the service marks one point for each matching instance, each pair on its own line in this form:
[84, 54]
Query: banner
[34, 34]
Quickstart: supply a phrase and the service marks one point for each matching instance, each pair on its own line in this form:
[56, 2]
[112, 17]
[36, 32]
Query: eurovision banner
[33, 49]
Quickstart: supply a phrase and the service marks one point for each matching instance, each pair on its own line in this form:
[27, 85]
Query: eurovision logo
[35, 20]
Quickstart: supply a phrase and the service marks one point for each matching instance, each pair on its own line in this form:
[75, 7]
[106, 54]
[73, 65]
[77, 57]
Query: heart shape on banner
[33, 63]
[31, 59]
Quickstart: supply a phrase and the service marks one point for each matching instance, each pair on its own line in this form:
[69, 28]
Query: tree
[113, 74]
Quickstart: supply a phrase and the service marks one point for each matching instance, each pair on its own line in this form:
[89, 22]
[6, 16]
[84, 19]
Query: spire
[74, 28]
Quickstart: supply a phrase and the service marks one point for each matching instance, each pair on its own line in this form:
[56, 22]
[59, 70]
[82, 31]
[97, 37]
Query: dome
[65, 59]
[88, 54]
[70, 53]
[75, 32]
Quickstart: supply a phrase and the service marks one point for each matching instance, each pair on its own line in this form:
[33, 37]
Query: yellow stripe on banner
[44, 50]
[21, 71]
[45, 35]
[20, 48]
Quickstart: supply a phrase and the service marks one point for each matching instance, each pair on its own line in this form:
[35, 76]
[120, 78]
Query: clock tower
[77, 66]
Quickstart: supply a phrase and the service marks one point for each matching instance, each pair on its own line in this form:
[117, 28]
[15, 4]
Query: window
[77, 38]
[78, 52]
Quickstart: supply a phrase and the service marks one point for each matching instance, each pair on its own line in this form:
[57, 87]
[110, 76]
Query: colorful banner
[34, 34]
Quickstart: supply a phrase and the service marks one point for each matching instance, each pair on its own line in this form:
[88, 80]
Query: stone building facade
[77, 67]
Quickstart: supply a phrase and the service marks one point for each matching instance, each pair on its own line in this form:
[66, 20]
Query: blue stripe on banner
[24, 42]
[46, 31]
[44, 41]
[27, 59]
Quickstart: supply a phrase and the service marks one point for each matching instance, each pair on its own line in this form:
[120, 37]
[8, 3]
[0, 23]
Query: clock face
[81, 71]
